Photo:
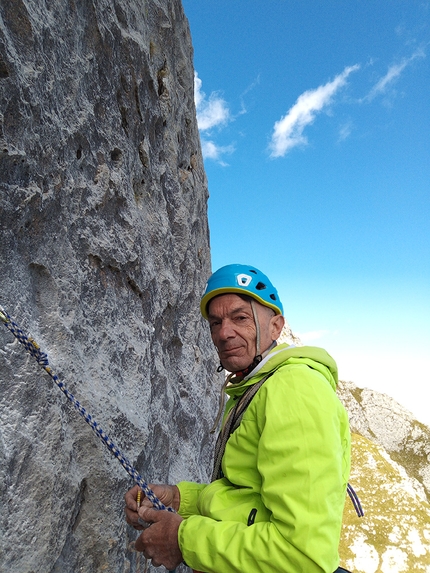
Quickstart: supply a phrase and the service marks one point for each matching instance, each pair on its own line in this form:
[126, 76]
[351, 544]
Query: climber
[282, 457]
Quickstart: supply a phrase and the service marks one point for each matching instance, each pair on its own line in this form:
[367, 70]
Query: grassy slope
[394, 534]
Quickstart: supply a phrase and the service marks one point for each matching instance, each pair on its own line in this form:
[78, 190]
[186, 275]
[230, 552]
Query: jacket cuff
[189, 492]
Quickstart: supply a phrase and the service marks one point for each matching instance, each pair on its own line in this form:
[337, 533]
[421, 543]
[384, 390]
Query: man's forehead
[228, 303]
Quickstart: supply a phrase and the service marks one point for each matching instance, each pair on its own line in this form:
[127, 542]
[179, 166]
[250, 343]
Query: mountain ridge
[390, 472]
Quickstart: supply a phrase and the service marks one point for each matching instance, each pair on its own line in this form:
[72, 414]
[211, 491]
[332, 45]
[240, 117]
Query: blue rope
[42, 358]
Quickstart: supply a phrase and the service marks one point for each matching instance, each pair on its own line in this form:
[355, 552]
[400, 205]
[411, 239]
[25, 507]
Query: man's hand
[167, 494]
[159, 542]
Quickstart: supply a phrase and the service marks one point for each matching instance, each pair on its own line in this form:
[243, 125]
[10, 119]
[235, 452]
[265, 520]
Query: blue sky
[314, 119]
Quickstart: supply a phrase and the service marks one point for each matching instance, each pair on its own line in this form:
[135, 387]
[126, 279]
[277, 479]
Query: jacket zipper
[251, 517]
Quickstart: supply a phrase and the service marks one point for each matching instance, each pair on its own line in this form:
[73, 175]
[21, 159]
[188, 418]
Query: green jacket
[289, 460]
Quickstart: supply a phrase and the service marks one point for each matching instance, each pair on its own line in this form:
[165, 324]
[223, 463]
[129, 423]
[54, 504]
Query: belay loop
[42, 358]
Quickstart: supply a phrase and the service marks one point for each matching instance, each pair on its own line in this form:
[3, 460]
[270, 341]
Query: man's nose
[226, 330]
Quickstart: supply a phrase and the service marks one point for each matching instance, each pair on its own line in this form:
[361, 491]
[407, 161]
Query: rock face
[382, 420]
[104, 254]
[390, 473]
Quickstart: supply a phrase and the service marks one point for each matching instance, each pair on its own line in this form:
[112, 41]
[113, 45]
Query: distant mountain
[288, 336]
[391, 475]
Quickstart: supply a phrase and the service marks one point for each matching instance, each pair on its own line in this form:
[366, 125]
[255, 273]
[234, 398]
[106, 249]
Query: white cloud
[392, 75]
[345, 131]
[288, 131]
[212, 111]
[211, 150]
[247, 90]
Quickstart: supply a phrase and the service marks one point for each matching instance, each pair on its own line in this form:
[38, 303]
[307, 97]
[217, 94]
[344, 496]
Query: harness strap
[231, 423]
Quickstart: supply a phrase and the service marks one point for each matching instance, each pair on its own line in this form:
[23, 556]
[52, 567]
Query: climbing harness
[231, 423]
[42, 358]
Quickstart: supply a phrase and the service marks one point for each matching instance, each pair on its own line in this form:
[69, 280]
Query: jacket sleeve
[189, 493]
[300, 434]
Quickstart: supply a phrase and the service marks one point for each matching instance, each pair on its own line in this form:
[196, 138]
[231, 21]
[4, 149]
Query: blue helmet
[241, 279]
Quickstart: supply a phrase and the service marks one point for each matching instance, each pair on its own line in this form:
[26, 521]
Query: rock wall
[104, 253]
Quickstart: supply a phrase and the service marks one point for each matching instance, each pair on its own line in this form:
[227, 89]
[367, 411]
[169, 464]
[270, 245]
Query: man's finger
[130, 498]
[144, 524]
[146, 503]
[148, 514]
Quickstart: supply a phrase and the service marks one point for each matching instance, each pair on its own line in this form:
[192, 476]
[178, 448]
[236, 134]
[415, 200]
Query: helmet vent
[260, 286]
[243, 280]
[273, 297]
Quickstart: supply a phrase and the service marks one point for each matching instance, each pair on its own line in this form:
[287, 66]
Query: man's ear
[276, 325]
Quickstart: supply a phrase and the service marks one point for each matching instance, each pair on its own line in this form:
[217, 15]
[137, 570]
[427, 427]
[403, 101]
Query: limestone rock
[381, 419]
[104, 253]
[288, 336]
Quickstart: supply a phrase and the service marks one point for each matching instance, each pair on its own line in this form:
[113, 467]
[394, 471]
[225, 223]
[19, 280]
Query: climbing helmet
[241, 279]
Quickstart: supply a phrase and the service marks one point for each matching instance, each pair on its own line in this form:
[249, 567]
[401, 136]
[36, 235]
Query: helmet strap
[257, 328]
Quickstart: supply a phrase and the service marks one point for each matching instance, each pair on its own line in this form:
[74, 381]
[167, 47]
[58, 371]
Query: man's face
[233, 330]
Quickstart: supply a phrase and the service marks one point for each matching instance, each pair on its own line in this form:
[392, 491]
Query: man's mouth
[228, 351]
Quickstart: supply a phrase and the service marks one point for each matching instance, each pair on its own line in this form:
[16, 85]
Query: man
[282, 458]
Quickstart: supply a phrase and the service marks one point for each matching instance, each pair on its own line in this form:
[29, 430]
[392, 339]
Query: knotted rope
[42, 358]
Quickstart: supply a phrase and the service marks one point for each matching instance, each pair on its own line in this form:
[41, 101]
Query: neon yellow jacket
[289, 460]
